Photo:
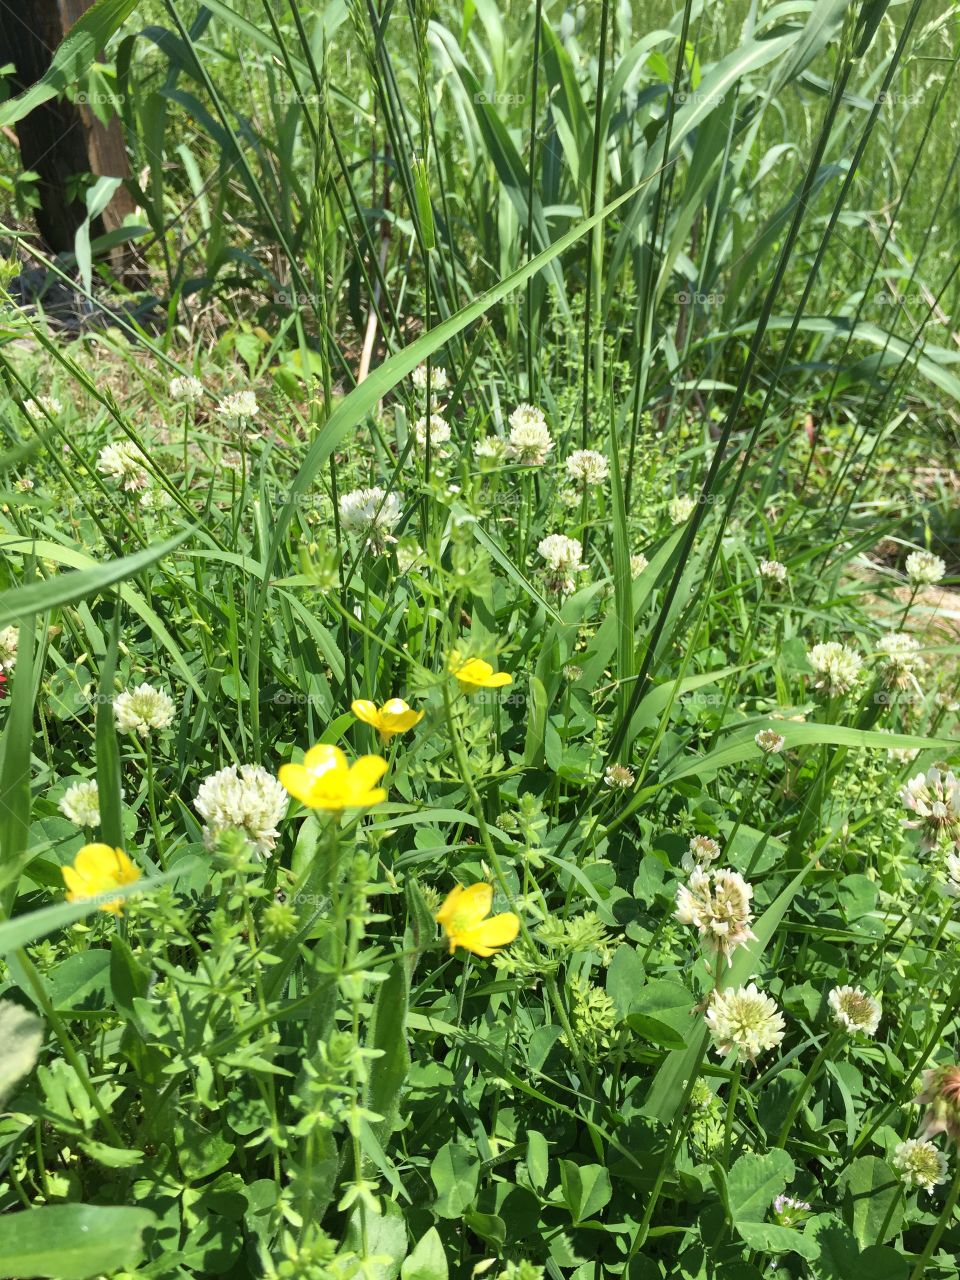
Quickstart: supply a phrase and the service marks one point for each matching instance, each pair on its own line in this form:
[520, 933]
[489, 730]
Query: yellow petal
[485, 938]
[324, 758]
[498, 678]
[366, 711]
[367, 772]
[475, 903]
[395, 707]
[300, 782]
[449, 905]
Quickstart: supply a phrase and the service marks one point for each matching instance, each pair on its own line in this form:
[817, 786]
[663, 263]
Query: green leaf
[775, 1239]
[538, 1158]
[109, 786]
[455, 1173]
[427, 1261]
[869, 1188]
[387, 1033]
[21, 1035]
[586, 1188]
[71, 1241]
[72, 59]
[754, 1182]
[15, 774]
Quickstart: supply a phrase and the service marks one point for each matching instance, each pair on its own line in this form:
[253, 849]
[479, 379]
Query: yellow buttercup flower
[96, 870]
[393, 717]
[473, 673]
[326, 781]
[464, 919]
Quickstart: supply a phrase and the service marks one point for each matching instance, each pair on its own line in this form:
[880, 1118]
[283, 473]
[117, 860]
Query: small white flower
[681, 509]
[618, 776]
[901, 659]
[43, 405]
[717, 904]
[9, 639]
[773, 571]
[587, 467]
[123, 462]
[143, 709]
[438, 378]
[770, 742]
[837, 666]
[489, 449]
[250, 800]
[700, 853]
[530, 439]
[185, 387]
[439, 431]
[371, 513]
[563, 557]
[854, 1010]
[745, 1020]
[935, 798]
[80, 804]
[637, 565]
[238, 406]
[920, 1163]
[924, 568]
[952, 881]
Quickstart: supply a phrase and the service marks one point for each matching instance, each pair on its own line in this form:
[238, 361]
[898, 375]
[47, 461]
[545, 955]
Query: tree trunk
[59, 141]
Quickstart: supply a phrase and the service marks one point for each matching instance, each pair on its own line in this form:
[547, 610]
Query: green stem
[942, 1223]
[731, 1109]
[804, 1087]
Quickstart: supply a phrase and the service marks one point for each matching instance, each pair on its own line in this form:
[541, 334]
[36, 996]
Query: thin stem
[942, 1223]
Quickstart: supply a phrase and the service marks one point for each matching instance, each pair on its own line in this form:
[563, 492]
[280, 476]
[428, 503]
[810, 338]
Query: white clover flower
[438, 378]
[564, 560]
[854, 1010]
[439, 431]
[717, 904]
[489, 449]
[935, 798]
[618, 776]
[773, 571]
[924, 568]
[789, 1211]
[155, 499]
[185, 387]
[920, 1163]
[587, 467]
[123, 462]
[238, 406]
[900, 658]
[48, 405]
[745, 1020]
[372, 513]
[143, 710]
[250, 800]
[700, 853]
[837, 666]
[637, 565]
[681, 509]
[80, 804]
[530, 439]
[770, 742]
[9, 640]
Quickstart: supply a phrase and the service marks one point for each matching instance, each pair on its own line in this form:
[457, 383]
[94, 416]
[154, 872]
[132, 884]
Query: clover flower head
[941, 1097]
[773, 571]
[43, 405]
[951, 882]
[438, 378]
[244, 798]
[770, 742]
[900, 659]
[920, 1164]
[854, 1010]
[123, 462]
[185, 387]
[9, 640]
[370, 513]
[745, 1021]
[924, 568]
[80, 804]
[717, 904]
[439, 431]
[143, 710]
[700, 853]
[238, 406]
[935, 799]
[489, 449]
[680, 509]
[837, 667]
[618, 777]
[587, 467]
[638, 563]
[789, 1211]
[564, 560]
[530, 439]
